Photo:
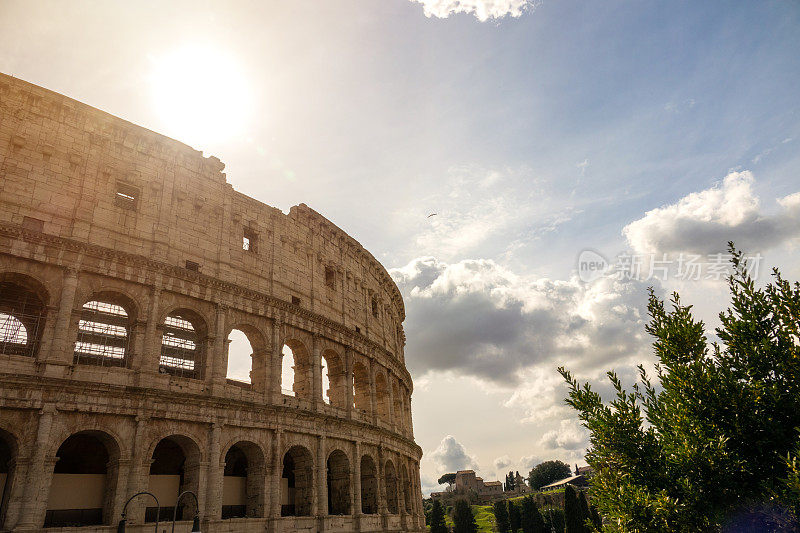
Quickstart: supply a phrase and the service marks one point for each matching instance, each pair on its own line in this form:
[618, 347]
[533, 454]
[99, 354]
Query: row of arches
[84, 484]
[107, 329]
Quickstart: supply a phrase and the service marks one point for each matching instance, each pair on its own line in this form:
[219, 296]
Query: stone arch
[183, 343]
[297, 482]
[82, 489]
[174, 468]
[337, 382]
[9, 449]
[105, 329]
[361, 387]
[23, 311]
[243, 481]
[405, 483]
[245, 354]
[390, 481]
[302, 379]
[338, 470]
[369, 485]
[382, 396]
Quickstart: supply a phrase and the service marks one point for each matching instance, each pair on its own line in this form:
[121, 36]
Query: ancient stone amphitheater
[126, 260]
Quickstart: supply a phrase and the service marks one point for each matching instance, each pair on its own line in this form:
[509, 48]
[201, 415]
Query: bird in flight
[431, 215]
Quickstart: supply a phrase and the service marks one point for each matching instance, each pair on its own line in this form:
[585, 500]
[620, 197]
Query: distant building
[466, 480]
[575, 481]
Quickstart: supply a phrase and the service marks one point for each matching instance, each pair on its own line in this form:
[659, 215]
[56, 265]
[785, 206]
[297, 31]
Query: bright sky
[535, 132]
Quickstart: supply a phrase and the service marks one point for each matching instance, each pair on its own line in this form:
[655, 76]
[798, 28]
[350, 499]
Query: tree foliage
[547, 472]
[501, 516]
[437, 522]
[532, 521]
[447, 478]
[709, 440]
[573, 514]
[463, 519]
[514, 516]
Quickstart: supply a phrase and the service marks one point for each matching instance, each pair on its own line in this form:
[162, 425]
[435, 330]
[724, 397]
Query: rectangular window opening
[375, 308]
[295, 300]
[191, 265]
[249, 240]
[127, 196]
[330, 277]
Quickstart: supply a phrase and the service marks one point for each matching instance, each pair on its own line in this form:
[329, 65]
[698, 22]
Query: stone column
[348, 381]
[136, 349]
[37, 484]
[277, 473]
[276, 362]
[139, 472]
[373, 400]
[382, 495]
[213, 506]
[356, 479]
[216, 360]
[390, 394]
[316, 373]
[321, 479]
[61, 350]
[151, 352]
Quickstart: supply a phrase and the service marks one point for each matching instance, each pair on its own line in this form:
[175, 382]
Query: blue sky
[533, 137]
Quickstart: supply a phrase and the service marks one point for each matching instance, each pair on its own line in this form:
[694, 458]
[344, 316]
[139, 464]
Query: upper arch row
[186, 339]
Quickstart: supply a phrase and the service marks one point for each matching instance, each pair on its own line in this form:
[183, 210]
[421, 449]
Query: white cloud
[477, 318]
[501, 463]
[703, 222]
[451, 456]
[482, 9]
[569, 436]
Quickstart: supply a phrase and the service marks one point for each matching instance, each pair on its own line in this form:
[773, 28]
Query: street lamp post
[124, 521]
[196, 521]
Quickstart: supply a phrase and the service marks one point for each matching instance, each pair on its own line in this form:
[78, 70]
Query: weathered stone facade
[126, 259]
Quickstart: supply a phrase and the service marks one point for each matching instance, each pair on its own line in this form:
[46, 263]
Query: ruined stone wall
[96, 209]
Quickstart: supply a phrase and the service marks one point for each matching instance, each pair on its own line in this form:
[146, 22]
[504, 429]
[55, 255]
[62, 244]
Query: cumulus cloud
[569, 436]
[477, 318]
[703, 222]
[501, 463]
[481, 9]
[451, 456]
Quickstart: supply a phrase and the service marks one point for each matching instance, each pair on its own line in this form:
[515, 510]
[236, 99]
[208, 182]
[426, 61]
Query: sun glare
[200, 94]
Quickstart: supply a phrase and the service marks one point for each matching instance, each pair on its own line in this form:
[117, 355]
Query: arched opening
[8, 455]
[243, 487]
[240, 357]
[175, 467]
[82, 488]
[300, 384]
[406, 483]
[390, 477]
[297, 482]
[361, 387]
[382, 397]
[338, 483]
[333, 380]
[182, 345]
[103, 332]
[398, 405]
[23, 307]
[369, 486]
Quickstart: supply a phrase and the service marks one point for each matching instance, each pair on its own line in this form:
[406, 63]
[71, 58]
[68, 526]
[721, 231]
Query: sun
[200, 94]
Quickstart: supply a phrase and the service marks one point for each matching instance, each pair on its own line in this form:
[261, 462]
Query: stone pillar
[139, 473]
[276, 362]
[119, 471]
[18, 468]
[373, 400]
[152, 334]
[261, 373]
[216, 364]
[316, 373]
[322, 479]
[213, 506]
[418, 493]
[136, 349]
[382, 496]
[37, 484]
[356, 499]
[348, 381]
[61, 350]
[277, 473]
[390, 395]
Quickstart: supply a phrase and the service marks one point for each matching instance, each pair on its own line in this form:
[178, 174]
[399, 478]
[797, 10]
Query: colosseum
[126, 261]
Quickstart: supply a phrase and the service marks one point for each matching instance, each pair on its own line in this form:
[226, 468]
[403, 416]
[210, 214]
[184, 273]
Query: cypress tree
[463, 519]
[597, 521]
[514, 516]
[501, 516]
[573, 517]
[437, 522]
[532, 521]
